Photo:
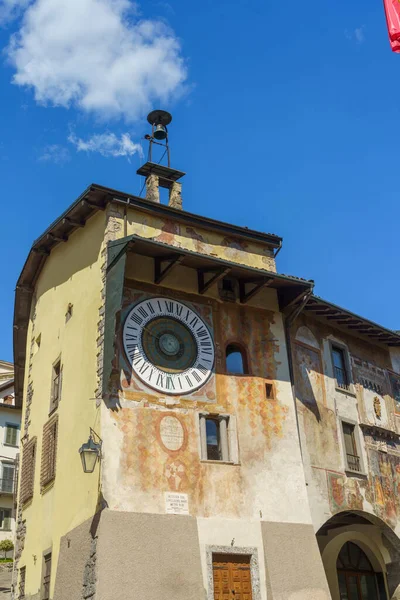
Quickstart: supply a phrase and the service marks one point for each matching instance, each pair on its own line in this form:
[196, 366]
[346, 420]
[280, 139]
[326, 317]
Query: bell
[160, 132]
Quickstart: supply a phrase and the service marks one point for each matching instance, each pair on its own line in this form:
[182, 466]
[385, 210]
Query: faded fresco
[200, 240]
[395, 385]
[384, 485]
[310, 387]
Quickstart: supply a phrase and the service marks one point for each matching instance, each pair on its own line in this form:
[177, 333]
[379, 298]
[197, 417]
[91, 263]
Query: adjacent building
[10, 424]
[196, 424]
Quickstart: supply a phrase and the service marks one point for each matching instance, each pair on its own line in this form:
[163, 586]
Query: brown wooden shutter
[49, 451]
[28, 470]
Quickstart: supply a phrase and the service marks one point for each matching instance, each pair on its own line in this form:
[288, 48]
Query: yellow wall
[71, 275]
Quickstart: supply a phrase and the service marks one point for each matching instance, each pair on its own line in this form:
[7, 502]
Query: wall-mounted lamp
[90, 452]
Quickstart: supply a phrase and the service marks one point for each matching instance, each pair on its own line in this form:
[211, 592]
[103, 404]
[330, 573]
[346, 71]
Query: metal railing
[341, 378]
[6, 486]
[353, 462]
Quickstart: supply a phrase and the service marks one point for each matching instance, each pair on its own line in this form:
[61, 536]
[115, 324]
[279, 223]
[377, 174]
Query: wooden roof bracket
[173, 260]
[259, 284]
[219, 273]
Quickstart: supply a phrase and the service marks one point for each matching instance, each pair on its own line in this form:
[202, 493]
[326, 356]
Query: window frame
[7, 463]
[333, 344]
[15, 426]
[357, 440]
[27, 486]
[2, 509]
[21, 582]
[48, 470]
[55, 401]
[245, 359]
[228, 437]
[46, 554]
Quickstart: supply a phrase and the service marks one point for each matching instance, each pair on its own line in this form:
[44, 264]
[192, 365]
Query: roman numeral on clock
[170, 306]
[136, 319]
[160, 380]
[169, 383]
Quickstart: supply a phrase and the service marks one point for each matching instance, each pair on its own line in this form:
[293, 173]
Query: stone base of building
[120, 555]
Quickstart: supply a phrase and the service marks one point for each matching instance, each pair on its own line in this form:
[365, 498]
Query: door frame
[233, 551]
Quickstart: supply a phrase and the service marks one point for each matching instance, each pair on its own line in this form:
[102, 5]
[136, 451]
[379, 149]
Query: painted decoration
[344, 492]
[169, 346]
[171, 433]
[308, 374]
[395, 384]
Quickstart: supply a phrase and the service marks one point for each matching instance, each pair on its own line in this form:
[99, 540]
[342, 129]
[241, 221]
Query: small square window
[340, 368]
[269, 391]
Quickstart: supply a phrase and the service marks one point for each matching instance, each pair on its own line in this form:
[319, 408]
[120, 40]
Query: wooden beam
[172, 260]
[68, 221]
[259, 284]
[340, 318]
[219, 273]
[42, 251]
[326, 312]
[56, 238]
[88, 204]
[361, 327]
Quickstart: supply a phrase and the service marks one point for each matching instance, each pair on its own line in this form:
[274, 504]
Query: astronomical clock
[169, 346]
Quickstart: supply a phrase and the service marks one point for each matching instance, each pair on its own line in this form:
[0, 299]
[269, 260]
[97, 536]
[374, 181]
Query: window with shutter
[5, 519]
[7, 478]
[11, 434]
[28, 470]
[21, 587]
[56, 383]
[46, 576]
[351, 449]
[49, 451]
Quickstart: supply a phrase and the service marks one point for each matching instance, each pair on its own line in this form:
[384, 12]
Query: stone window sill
[219, 462]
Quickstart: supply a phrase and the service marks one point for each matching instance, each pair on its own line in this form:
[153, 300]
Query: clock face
[169, 346]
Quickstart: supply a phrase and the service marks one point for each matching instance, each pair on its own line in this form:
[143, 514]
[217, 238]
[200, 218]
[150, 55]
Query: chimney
[159, 175]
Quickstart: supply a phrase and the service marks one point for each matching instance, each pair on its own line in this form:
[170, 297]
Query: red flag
[392, 11]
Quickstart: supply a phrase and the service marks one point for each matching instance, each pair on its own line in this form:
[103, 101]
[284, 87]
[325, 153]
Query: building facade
[10, 425]
[172, 342]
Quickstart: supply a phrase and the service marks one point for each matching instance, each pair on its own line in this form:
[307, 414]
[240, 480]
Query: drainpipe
[289, 320]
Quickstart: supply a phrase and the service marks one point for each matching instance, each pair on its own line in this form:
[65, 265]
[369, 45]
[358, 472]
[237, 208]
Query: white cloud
[98, 56]
[55, 153]
[11, 9]
[107, 144]
[359, 34]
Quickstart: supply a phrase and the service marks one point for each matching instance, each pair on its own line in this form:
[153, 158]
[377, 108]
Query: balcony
[6, 486]
[353, 462]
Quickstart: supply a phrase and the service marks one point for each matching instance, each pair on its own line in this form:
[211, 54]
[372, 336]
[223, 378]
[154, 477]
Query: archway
[377, 548]
[356, 575]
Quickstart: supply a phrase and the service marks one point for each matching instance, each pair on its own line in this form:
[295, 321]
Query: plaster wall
[196, 239]
[137, 476]
[368, 404]
[71, 275]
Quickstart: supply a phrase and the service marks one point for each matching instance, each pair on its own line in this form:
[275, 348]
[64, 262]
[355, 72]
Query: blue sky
[286, 120]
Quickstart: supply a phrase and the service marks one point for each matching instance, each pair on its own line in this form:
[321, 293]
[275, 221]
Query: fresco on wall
[344, 492]
[310, 389]
[395, 385]
[373, 384]
[384, 485]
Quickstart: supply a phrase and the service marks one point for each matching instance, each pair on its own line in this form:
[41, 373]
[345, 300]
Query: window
[5, 519]
[69, 312]
[21, 587]
[28, 470]
[56, 382]
[236, 363]
[49, 452]
[7, 478]
[269, 391]
[11, 437]
[340, 368]
[218, 438]
[353, 461]
[46, 576]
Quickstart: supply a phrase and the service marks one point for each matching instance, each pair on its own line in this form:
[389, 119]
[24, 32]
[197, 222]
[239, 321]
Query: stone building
[161, 352]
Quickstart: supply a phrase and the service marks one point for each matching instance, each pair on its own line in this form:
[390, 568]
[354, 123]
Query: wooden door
[232, 579]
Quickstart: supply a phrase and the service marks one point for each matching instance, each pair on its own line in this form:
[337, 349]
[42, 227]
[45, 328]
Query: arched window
[357, 579]
[236, 362]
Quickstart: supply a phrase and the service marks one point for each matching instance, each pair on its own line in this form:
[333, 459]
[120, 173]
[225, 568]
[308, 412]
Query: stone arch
[375, 538]
[306, 336]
